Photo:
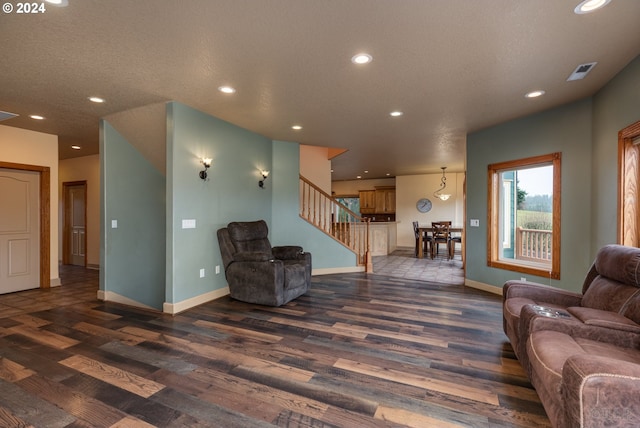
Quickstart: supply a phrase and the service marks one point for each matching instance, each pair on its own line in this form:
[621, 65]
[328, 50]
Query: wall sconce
[206, 162]
[443, 183]
[265, 174]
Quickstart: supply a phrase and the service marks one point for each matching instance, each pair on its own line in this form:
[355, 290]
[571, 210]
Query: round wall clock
[423, 205]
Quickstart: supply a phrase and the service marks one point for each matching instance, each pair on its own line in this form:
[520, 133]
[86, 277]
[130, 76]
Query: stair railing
[336, 220]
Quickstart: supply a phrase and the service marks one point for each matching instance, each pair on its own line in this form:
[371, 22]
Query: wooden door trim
[45, 217]
[628, 182]
[65, 220]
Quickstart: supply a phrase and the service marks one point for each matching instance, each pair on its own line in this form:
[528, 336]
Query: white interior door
[19, 230]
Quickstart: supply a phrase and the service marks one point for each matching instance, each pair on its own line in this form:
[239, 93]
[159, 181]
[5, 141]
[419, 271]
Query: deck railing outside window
[533, 244]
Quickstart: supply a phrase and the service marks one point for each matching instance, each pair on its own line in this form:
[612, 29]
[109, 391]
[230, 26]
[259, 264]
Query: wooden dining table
[426, 231]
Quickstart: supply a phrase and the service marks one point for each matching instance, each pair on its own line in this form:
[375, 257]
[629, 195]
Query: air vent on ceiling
[6, 115]
[581, 71]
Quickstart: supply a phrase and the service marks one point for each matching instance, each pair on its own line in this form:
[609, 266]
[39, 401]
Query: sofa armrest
[287, 252]
[252, 257]
[540, 293]
[599, 391]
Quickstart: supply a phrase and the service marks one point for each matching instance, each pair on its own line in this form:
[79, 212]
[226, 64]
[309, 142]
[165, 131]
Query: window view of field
[535, 213]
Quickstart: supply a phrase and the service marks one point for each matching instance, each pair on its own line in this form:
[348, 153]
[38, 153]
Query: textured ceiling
[452, 67]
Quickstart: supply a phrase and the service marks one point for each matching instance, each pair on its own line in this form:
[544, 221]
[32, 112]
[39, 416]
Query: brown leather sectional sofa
[582, 351]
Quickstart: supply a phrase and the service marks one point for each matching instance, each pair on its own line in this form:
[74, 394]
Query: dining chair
[453, 240]
[440, 235]
[416, 233]
[425, 239]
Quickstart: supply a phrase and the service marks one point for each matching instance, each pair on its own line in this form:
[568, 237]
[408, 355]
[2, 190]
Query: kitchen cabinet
[367, 201]
[385, 200]
[379, 201]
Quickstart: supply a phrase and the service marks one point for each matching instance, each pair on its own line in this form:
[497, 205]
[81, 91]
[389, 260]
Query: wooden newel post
[367, 254]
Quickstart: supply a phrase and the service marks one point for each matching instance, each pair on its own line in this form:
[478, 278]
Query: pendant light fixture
[443, 183]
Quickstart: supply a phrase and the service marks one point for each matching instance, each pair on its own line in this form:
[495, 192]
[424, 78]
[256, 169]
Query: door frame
[65, 220]
[628, 180]
[45, 216]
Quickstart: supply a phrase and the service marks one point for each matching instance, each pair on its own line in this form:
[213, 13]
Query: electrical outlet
[474, 222]
[217, 269]
[114, 224]
[523, 279]
[201, 273]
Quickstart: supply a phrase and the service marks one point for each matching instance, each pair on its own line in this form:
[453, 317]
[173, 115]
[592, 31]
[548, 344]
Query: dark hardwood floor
[359, 350]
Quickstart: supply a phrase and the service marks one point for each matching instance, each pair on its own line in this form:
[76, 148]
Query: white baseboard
[482, 286]
[328, 271]
[174, 308]
[55, 282]
[110, 296]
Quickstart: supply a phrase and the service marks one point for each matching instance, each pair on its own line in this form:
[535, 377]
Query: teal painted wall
[615, 107]
[587, 134]
[231, 193]
[566, 129]
[132, 256]
[287, 228]
[150, 258]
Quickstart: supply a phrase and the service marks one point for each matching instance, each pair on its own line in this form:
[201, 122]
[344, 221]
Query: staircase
[336, 220]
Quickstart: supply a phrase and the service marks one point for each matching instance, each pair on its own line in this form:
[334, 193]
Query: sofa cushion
[631, 309]
[597, 348]
[251, 236]
[548, 351]
[619, 263]
[600, 318]
[607, 294]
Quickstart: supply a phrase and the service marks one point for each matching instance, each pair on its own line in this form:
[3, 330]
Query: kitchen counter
[383, 236]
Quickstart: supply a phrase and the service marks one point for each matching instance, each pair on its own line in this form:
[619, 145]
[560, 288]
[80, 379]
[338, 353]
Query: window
[524, 215]
[351, 202]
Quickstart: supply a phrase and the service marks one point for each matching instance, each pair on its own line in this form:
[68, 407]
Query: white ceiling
[452, 67]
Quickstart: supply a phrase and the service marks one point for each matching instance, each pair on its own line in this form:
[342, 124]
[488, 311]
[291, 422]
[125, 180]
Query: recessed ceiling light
[59, 3]
[96, 100]
[296, 127]
[535, 94]
[36, 117]
[358, 176]
[388, 173]
[396, 113]
[366, 171]
[587, 6]
[76, 147]
[361, 58]
[227, 89]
